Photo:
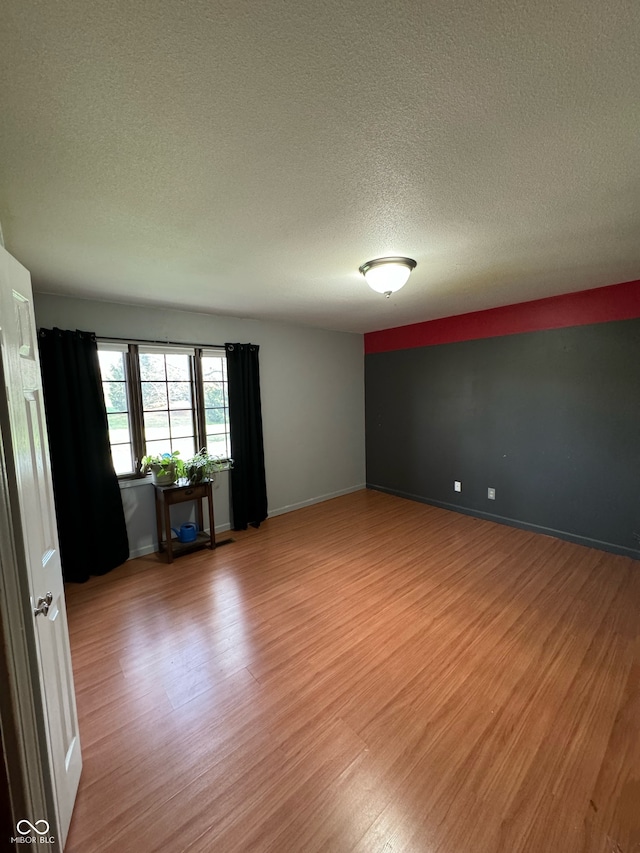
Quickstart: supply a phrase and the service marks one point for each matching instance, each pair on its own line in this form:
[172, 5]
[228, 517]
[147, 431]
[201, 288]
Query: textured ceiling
[246, 157]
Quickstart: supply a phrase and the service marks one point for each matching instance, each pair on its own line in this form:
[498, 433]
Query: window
[168, 410]
[216, 403]
[160, 399]
[116, 398]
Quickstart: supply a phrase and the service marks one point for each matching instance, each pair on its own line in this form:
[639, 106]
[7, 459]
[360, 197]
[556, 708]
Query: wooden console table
[166, 497]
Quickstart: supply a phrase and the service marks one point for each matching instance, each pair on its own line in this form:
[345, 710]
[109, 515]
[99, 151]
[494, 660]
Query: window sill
[134, 482]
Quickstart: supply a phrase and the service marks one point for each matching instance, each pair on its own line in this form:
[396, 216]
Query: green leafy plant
[165, 467]
[202, 467]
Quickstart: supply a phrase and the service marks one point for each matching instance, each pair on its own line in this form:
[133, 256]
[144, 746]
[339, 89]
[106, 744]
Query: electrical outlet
[491, 494]
[457, 486]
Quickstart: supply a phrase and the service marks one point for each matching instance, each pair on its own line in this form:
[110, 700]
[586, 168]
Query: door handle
[43, 605]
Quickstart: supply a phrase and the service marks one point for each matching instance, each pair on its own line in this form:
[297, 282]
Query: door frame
[21, 712]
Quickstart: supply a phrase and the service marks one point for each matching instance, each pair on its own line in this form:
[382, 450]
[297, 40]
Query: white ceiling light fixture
[387, 275]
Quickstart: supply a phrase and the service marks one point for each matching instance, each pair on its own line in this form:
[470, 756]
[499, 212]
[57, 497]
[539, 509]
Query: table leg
[167, 527]
[158, 520]
[212, 527]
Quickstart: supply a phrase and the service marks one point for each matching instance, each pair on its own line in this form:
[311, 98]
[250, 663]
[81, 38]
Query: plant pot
[198, 475]
[163, 475]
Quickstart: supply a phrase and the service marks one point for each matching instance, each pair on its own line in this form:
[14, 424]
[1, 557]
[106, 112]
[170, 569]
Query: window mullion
[135, 405]
[200, 419]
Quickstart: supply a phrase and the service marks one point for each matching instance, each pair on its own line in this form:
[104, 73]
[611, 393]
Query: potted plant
[202, 467]
[164, 467]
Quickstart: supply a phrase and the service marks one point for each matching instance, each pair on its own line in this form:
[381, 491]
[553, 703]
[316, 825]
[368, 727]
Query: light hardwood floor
[370, 675]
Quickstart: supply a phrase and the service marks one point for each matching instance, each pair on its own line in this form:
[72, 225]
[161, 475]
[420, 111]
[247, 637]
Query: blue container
[188, 532]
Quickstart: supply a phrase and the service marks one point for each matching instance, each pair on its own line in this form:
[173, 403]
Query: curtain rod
[161, 343]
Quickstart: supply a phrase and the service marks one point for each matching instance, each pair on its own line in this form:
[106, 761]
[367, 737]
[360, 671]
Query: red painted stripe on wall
[600, 305]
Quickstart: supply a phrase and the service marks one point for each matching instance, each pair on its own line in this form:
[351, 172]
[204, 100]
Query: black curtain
[248, 483]
[91, 523]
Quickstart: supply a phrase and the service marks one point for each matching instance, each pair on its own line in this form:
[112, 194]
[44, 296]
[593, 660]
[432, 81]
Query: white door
[35, 523]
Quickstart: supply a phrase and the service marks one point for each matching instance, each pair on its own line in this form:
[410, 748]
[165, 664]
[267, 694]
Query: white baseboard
[140, 552]
[317, 500]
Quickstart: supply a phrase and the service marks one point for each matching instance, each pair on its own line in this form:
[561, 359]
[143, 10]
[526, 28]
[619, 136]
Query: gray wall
[312, 400]
[550, 420]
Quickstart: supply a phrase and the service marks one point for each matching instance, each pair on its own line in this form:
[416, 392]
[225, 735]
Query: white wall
[312, 385]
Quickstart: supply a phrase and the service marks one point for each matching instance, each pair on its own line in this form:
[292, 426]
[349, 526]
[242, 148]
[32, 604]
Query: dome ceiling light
[386, 275]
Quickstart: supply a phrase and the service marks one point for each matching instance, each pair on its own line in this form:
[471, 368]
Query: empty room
[320, 443]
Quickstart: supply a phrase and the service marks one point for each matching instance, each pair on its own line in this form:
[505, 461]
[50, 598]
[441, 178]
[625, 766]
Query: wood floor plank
[369, 674]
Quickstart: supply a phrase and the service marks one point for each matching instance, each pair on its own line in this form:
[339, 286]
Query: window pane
[178, 367]
[122, 458]
[218, 445]
[157, 448]
[154, 395]
[212, 368]
[179, 395]
[114, 389]
[111, 365]
[214, 394]
[186, 446]
[152, 367]
[115, 396]
[181, 424]
[216, 421]
[216, 401]
[156, 426]
[119, 429]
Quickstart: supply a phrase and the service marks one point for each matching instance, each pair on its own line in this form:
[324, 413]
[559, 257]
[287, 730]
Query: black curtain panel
[91, 523]
[248, 482]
